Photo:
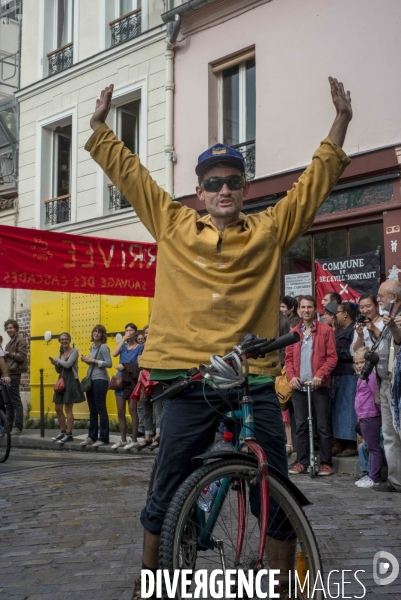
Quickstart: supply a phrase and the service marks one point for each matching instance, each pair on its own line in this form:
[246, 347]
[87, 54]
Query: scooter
[313, 455]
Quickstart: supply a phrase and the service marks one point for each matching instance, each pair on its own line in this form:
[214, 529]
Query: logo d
[383, 567]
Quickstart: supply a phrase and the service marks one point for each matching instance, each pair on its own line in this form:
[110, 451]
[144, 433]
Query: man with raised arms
[217, 279]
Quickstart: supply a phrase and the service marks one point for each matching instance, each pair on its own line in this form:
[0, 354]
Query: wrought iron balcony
[117, 200]
[60, 59]
[58, 210]
[126, 27]
[248, 150]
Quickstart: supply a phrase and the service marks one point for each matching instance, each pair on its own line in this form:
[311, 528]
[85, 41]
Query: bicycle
[227, 534]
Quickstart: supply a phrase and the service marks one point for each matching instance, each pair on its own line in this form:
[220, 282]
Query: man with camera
[389, 297]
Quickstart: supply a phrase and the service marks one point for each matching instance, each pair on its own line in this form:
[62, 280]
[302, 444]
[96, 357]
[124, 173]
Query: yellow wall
[77, 314]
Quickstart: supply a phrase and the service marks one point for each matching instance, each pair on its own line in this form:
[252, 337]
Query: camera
[362, 319]
[371, 360]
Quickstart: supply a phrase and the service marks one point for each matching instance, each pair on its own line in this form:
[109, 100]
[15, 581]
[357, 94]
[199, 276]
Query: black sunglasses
[214, 184]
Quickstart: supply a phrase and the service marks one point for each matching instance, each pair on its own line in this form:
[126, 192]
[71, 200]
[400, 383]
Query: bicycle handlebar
[252, 347]
[263, 346]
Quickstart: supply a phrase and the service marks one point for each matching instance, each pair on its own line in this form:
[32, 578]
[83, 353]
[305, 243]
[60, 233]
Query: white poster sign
[298, 284]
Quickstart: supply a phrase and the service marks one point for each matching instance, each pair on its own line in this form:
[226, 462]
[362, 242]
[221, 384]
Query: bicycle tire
[178, 525]
[5, 438]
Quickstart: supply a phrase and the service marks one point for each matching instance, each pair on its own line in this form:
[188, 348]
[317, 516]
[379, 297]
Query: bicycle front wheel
[224, 533]
[5, 439]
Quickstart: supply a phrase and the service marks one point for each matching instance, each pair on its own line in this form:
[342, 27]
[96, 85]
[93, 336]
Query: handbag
[282, 387]
[116, 382]
[86, 382]
[59, 386]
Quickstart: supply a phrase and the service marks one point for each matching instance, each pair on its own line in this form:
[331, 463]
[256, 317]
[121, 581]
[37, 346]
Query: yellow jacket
[207, 299]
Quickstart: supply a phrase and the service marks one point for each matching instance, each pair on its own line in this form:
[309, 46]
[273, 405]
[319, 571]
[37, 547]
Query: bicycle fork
[262, 479]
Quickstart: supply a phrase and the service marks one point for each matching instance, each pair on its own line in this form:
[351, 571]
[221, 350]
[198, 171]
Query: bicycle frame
[246, 440]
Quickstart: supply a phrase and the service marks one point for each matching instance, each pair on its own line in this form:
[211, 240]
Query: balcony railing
[117, 200]
[126, 27]
[248, 150]
[58, 210]
[60, 59]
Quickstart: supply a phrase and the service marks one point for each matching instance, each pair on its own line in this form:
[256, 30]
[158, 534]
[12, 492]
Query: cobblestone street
[71, 529]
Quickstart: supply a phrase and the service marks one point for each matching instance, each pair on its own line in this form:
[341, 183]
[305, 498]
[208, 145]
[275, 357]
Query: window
[298, 259]
[62, 161]
[128, 117]
[58, 208]
[128, 23]
[61, 55]
[10, 9]
[331, 244]
[237, 106]
[8, 141]
[128, 132]
[126, 6]
[63, 22]
[366, 238]
[347, 241]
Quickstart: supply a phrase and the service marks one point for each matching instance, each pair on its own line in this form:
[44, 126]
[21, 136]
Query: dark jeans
[370, 428]
[12, 400]
[188, 427]
[96, 397]
[321, 415]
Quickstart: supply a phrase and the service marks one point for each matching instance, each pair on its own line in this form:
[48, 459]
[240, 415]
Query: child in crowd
[364, 457]
[369, 415]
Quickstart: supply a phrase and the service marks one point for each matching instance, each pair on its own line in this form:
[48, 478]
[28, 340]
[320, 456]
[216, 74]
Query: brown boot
[136, 594]
[337, 448]
[348, 452]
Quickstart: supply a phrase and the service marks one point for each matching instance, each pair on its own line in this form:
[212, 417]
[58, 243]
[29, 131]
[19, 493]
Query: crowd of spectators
[97, 382]
[350, 354]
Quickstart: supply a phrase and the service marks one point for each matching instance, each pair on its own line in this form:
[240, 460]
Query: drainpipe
[172, 17]
[173, 30]
[184, 9]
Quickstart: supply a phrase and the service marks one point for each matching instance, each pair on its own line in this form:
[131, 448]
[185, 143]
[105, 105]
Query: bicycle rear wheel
[5, 438]
[182, 540]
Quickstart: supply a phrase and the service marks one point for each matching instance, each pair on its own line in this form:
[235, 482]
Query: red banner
[32, 259]
[349, 276]
[326, 282]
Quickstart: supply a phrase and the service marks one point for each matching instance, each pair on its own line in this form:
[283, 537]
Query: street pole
[42, 405]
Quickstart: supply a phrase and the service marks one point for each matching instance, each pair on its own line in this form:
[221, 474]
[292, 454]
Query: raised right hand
[359, 330]
[103, 105]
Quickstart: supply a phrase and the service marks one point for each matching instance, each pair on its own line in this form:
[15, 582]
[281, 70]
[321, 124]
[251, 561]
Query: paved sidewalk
[72, 531]
[31, 439]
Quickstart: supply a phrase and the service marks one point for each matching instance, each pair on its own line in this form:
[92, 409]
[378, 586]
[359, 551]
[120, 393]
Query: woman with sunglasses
[344, 381]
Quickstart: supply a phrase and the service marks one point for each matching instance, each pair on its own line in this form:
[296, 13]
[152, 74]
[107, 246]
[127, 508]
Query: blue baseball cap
[220, 153]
